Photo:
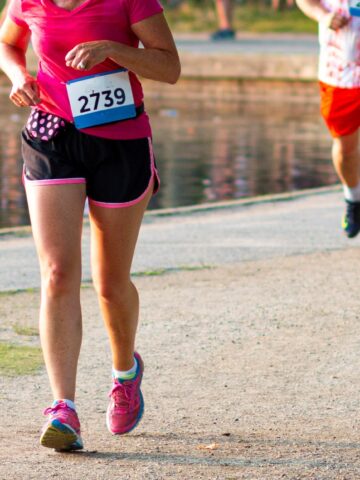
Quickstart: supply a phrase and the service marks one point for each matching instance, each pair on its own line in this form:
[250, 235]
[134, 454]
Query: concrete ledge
[271, 56]
[244, 202]
[249, 66]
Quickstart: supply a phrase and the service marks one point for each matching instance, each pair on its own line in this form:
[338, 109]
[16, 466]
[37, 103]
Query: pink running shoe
[126, 405]
[62, 429]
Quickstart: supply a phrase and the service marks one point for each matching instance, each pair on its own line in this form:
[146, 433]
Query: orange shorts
[340, 108]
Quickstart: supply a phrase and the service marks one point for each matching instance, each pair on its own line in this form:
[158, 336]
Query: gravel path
[251, 373]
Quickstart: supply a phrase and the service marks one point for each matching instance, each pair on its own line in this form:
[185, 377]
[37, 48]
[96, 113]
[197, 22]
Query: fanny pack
[46, 126]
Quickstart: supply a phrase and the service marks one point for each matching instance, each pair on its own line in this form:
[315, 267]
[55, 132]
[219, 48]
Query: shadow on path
[286, 452]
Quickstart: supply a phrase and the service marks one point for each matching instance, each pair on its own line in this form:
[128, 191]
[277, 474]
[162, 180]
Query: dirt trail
[252, 372]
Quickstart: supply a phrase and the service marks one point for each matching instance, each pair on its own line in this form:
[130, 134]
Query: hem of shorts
[55, 181]
[154, 174]
[336, 134]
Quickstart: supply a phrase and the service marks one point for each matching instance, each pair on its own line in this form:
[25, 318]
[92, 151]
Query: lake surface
[205, 151]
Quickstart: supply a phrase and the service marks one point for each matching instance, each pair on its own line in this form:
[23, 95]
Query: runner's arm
[313, 9]
[316, 11]
[14, 40]
[158, 60]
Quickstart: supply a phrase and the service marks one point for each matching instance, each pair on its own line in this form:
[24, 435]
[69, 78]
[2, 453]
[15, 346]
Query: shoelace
[71, 415]
[124, 395]
[57, 407]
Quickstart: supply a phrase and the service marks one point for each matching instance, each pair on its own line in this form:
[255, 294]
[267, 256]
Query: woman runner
[87, 137]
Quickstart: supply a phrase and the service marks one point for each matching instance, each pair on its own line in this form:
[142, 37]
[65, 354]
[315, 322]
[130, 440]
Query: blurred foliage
[251, 3]
[256, 16]
[249, 16]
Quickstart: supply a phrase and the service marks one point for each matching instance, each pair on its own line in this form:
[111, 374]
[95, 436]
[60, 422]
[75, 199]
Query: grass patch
[15, 232]
[26, 331]
[19, 360]
[5, 293]
[200, 16]
[163, 271]
[87, 283]
[247, 18]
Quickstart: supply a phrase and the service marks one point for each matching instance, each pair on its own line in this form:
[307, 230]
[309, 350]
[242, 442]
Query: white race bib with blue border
[101, 98]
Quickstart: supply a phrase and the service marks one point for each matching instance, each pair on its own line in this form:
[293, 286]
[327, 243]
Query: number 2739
[111, 98]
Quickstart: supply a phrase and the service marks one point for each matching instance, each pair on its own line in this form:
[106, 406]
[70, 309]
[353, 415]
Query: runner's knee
[115, 291]
[58, 278]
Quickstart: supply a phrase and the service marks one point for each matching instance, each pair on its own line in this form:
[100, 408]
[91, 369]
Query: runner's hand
[26, 92]
[335, 20]
[86, 55]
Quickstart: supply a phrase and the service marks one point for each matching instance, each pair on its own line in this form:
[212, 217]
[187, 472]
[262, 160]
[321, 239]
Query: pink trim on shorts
[55, 181]
[154, 174]
[153, 167]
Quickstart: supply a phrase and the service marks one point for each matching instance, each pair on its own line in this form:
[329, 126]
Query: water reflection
[205, 151]
[240, 149]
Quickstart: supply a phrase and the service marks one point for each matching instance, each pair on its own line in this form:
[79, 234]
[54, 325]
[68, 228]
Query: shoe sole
[60, 437]
[351, 234]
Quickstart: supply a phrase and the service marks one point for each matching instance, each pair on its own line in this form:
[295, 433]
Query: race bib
[101, 98]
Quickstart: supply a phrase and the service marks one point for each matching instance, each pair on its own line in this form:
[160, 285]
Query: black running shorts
[117, 173]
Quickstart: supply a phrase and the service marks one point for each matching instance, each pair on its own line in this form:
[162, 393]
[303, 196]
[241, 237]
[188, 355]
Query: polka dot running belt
[44, 126]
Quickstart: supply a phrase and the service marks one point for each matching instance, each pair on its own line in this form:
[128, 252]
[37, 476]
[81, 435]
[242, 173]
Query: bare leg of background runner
[346, 159]
[224, 9]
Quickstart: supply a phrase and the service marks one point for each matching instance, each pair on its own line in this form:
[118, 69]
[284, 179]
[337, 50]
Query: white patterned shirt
[339, 63]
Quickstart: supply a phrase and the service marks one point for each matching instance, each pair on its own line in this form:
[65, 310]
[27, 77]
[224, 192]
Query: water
[205, 151]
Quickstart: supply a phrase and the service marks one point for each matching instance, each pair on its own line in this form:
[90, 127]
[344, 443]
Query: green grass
[17, 232]
[87, 283]
[19, 360]
[164, 271]
[18, 291]
[25, 331]
[200, 16]
[247, 18]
